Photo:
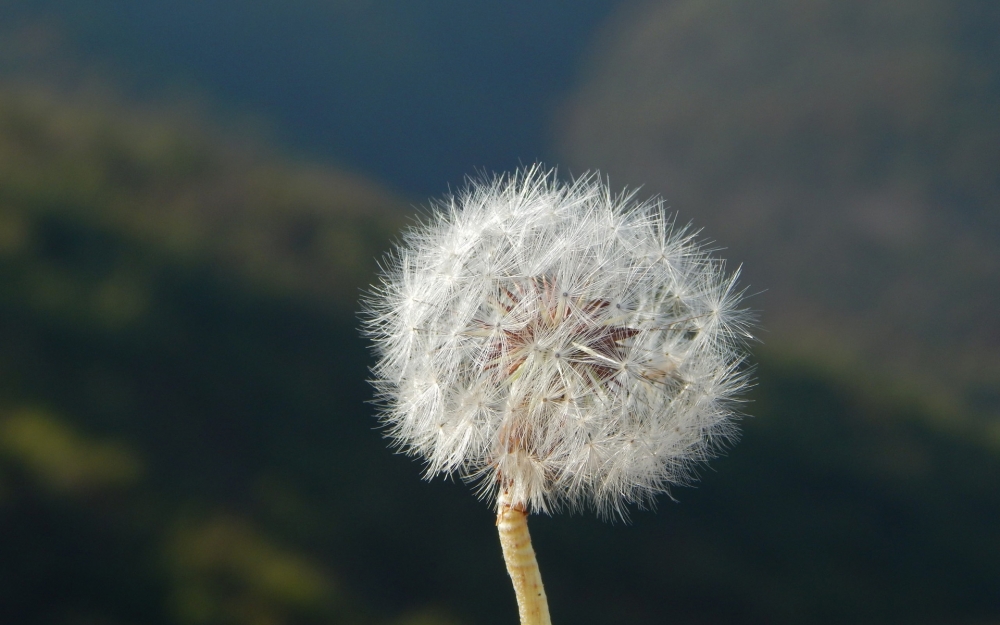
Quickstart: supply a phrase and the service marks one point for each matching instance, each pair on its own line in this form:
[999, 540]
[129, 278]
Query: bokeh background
[192, 195]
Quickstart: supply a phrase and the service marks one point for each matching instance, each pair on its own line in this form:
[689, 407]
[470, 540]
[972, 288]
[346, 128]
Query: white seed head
[562, 346]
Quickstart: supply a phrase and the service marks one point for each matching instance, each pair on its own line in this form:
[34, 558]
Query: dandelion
[558, 345]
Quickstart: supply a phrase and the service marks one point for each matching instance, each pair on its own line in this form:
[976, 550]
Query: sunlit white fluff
[563, 346]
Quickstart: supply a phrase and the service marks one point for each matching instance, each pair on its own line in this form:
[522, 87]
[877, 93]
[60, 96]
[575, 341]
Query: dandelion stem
[532, 605]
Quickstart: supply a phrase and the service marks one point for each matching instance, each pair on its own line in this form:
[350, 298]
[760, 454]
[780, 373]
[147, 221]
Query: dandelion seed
[562, 347]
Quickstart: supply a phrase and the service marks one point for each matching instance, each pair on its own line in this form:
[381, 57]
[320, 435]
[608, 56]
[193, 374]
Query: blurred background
[192, 195]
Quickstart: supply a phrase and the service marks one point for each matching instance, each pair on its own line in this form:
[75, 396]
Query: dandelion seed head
[560, 345]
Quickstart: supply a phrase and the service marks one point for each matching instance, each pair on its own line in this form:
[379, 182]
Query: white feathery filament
[562, 346]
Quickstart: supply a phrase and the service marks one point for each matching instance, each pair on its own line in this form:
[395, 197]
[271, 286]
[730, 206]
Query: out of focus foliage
[184, 436]
[168, 189]
[149, 275]
[845, 150]
[60, 460]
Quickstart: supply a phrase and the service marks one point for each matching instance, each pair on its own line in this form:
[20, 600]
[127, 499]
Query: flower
[563, 346]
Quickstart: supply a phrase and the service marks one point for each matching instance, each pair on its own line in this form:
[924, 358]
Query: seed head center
[576, 332]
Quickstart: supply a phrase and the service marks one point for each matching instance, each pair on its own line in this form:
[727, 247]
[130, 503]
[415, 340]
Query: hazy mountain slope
[846, 152]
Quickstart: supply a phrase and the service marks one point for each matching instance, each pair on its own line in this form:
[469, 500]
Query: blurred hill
[165, 184]
[184, 436]
[847, 152]
[148, 270]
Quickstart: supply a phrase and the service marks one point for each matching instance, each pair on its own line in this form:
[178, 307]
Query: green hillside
[185, 438]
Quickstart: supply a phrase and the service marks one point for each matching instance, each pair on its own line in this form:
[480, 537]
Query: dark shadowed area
[192, 195]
